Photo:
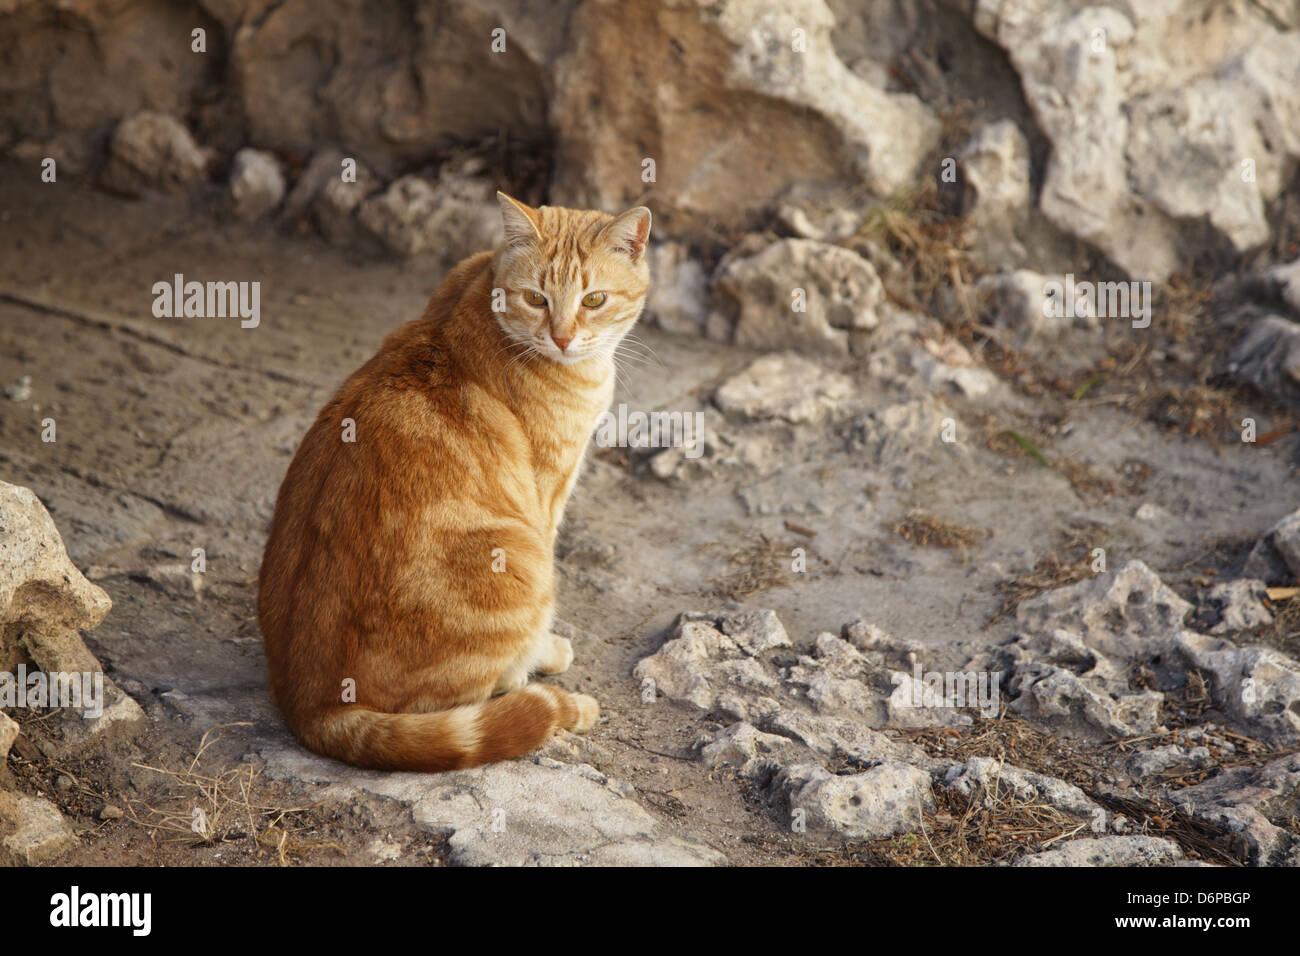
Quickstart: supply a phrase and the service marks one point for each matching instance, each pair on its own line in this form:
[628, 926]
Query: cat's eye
[593, 300]
[534, 298]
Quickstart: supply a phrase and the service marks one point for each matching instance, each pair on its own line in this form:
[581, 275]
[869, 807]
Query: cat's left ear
[630, 231]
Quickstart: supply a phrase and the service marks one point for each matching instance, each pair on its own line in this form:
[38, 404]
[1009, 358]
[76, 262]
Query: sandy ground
[175, 433]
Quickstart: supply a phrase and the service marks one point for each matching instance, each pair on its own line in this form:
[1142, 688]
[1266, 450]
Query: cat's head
[574, 279]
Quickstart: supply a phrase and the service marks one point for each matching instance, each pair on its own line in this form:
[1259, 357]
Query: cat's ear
[630, 231]
[521, 222]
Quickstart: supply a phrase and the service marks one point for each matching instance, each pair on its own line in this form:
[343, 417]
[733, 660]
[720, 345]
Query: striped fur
[414, 566]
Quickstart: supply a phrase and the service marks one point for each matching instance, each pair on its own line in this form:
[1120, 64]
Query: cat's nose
[562, 342]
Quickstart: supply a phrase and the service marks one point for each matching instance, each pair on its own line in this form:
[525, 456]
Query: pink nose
[563, 343]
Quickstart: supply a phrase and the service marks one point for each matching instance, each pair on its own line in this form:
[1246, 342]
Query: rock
[1275, 559]
[902, 709]
[1127, 614]
[154, 151]
[512, 813]
[334, 206]
[754, 631]
[1256, 684]
[1238, 606]
[1108, 851]
[837, 737]
[1147, 763]
[256, 184]
[891, 437]
[454, 218]
[822, 125]
[1268, 357]
[175, 580]
[1047, 691]
[1041, 314]
[1146, 142]
[824, 224]
[32, 830]
[960, 379]
[1243, 799]
[678, 298]
[798, 294]
[110, 812]
[783, 386]
[994, 780]
[44, 602]
[699, 661]
[20, 391]
[881, 802]
[1285, 282]
[325, 165]
[9, 731]
[997, 192]
[746, 748]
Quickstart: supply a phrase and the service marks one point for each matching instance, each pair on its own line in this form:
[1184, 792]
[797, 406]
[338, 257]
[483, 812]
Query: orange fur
[470, 428]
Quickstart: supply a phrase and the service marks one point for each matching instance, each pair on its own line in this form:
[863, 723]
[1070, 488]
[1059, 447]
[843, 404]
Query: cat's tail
[465, 736]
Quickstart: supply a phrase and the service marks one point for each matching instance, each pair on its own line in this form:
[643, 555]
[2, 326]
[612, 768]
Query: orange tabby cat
[409, 575]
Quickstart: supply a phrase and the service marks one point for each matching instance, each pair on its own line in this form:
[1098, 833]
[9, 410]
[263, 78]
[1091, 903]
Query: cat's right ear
[522, 224]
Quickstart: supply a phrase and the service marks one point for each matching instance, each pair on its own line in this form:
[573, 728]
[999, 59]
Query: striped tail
[453, 739]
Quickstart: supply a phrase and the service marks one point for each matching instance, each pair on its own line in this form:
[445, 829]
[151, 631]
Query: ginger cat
[414, 564]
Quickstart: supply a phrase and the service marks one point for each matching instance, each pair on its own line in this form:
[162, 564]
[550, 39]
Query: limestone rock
[783, 386]
[256, 184]
[453, 218]
[1125, 613]
[886, 800]
[1268, 357]
[799, 294]
[1256, 684]
[1107, 851]
[32, 830]
[1275, 559]
[154, 151]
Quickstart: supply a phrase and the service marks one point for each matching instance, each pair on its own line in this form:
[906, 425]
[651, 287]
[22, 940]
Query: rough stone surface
[493, 816]
[154, 151]
[1108, 851]
[1241, 800]
[785, 386]
[822, 123]
[256, 184]
[679, 288]
[1256, 684]
[32, 831]
[44, 602]
[1276, 556]
[1149, 132]
[997, 191]
[455, 218]
[1122, 613]
[886, 800]
[1268, 357]
[799, 293]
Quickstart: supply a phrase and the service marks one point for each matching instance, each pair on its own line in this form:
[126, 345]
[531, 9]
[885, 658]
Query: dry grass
[1052, 571]
[754, 565]
[210, 809]
[930, 531]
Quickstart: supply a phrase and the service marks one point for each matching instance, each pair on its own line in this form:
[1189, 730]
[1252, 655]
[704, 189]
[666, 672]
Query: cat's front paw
[510, 680]
[558, 657]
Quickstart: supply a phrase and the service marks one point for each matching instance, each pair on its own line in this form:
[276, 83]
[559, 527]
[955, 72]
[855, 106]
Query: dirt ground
[175, 433]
